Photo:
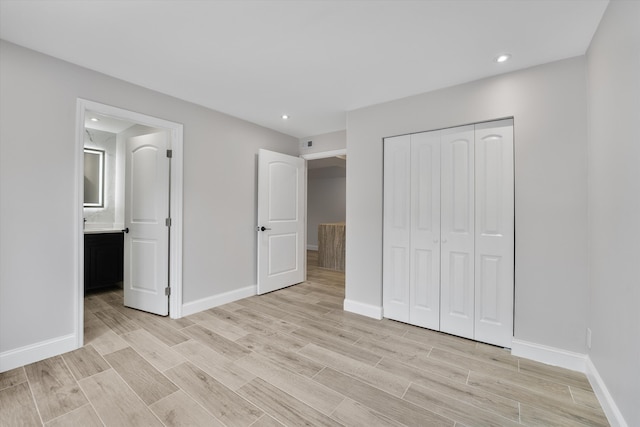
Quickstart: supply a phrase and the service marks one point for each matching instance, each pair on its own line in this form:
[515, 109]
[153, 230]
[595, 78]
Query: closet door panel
[494, 233]
[457, 231]
[425, 230]
[460, 269]
[397, 228]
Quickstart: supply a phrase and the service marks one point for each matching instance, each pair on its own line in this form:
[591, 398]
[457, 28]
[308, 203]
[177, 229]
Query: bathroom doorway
[113, 131]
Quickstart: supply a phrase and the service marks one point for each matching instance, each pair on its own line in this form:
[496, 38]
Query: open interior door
[281, 221]
[146, 244]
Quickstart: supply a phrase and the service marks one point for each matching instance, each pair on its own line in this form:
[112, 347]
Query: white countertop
[102, 230]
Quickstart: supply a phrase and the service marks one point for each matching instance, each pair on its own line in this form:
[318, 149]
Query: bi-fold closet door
[448, 230]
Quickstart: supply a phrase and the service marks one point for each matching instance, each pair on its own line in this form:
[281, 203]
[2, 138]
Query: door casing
[176, 142]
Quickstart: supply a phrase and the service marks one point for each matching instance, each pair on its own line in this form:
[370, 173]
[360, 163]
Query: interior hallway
[291, 357]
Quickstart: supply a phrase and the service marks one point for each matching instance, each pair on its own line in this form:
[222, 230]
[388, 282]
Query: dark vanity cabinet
[103, 259]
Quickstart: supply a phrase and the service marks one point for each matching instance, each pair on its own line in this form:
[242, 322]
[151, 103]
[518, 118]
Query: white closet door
[457, 232]
[494, 233]
[397, 227]
[424, 292]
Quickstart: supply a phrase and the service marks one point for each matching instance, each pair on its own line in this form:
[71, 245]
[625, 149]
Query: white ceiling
[313, 60]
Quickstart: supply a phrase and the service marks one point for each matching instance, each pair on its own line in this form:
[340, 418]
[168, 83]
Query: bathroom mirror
[93, 178]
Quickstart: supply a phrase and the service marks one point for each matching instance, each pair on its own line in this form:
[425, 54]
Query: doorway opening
[326, 208]
[120, 125]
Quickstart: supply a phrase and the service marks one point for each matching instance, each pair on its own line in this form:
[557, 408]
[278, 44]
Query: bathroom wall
[106, 141]
[112, 214]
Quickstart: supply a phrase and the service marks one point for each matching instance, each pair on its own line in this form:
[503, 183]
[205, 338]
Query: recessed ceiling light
[93, 119]
[285, 117]
[502, 58]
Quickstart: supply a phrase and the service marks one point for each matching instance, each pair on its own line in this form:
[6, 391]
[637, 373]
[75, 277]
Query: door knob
[262, 228]
[126, 230]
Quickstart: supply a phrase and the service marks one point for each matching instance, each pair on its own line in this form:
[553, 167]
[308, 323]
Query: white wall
[548, 104]
[37, 154]
[325, 142]
[613, 64]
[326, 202]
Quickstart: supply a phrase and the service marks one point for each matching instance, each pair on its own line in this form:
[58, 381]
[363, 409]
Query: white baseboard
[312, 247]
[35, 352]
[614, 416]
[216, 300]
[549, 355]
[368, 310]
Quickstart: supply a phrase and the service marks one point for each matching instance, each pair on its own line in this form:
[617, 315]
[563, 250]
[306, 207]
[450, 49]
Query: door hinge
[169, 153]
[167, 291]
[167, 222]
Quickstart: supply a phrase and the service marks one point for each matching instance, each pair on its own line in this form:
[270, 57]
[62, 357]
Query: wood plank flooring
[293, 358]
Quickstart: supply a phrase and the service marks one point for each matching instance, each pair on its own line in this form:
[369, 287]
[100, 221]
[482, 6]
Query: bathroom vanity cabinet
[103, 259]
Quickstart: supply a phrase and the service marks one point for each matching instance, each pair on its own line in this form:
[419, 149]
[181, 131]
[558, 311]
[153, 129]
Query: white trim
[324, 154]
[35, 352]
[614, 416]
[368, 310]
[78, 232]
[549, 355]
[306, 224]
[312, 247]
[217, 300]
[175, 266]
[176, 131]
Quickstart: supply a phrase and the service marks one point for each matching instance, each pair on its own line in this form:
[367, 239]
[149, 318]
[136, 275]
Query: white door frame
[324, 154]
[175, 253]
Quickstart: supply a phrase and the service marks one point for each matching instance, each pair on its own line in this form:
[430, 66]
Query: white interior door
[146, 245]
[424, 298]
[457, 232]
[396, 227]
[281, 221]
[494, 233]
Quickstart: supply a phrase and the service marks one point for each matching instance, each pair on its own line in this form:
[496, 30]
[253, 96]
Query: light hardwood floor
[292, 357]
